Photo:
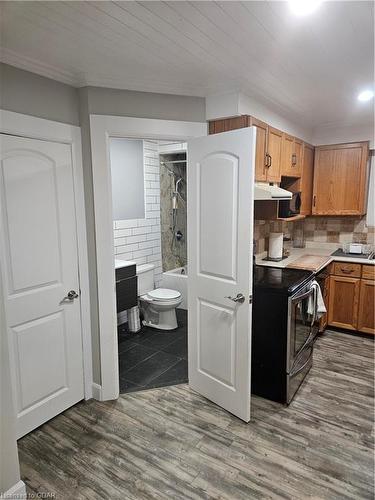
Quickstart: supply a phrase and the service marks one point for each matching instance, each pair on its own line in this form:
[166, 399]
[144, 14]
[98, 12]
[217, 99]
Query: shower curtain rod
[173, 161]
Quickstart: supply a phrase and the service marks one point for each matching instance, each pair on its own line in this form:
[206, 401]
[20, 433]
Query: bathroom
[150, 244]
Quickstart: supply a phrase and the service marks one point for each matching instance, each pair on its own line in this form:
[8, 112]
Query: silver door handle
[72, 295]
[239, 298]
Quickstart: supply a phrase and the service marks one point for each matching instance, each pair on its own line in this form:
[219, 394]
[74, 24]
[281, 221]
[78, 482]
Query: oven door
[302, 323]
[300, 369]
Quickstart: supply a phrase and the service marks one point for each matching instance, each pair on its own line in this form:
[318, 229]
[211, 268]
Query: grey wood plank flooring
[172, 443]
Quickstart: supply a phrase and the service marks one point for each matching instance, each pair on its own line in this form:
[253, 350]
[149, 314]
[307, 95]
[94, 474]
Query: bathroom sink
[123, 263]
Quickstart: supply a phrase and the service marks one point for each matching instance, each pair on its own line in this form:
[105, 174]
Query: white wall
[234, 104]
[139, 240]
[333, 134]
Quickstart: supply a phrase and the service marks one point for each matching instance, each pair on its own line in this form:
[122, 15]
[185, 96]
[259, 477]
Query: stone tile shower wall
[318, 229]
[174, 252]
[139, 239]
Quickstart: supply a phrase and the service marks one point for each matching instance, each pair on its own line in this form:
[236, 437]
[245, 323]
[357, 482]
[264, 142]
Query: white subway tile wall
[139, 239]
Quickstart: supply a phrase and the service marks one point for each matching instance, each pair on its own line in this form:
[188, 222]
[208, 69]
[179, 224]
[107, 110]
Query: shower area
[173, 190]
[173, 217]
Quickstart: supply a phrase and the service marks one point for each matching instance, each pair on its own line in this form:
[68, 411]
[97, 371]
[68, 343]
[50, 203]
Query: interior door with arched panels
[39, 262]
[220, 227]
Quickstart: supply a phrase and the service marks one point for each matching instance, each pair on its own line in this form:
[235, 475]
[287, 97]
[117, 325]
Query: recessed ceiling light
[303, 7]
[366, 95]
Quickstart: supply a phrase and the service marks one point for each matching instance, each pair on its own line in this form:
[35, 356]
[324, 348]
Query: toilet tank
[145, 274]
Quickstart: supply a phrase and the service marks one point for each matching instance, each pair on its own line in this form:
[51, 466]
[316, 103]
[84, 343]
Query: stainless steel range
[285, 326]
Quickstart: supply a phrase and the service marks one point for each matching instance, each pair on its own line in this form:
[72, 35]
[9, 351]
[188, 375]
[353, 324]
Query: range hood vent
[264, 191]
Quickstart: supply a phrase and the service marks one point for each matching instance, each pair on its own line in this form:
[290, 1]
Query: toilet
[157, 305]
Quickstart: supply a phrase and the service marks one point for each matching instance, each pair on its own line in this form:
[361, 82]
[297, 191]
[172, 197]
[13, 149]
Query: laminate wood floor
[171, 443]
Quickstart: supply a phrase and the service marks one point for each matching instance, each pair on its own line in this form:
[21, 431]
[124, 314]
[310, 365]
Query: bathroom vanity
[126, 285]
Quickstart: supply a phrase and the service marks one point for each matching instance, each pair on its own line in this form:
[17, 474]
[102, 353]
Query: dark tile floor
[153, 358]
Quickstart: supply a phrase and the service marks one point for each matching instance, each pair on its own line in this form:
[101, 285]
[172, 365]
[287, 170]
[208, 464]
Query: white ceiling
[309, 69]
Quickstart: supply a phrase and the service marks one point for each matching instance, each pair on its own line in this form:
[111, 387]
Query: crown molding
[26, 63]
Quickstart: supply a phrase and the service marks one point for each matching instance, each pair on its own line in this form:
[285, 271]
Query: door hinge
[250, 299]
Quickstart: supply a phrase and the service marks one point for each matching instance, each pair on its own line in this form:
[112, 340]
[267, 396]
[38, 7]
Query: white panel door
[220, 228]
[40, 266]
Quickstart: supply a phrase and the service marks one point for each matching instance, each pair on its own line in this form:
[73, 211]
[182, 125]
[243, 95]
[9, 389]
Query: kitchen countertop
[312, 248]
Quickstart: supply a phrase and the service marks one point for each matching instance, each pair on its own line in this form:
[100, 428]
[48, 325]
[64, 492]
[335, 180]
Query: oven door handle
[298, 298]
[299, 369]
[310, 340]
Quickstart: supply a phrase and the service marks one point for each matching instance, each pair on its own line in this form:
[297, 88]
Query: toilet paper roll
[275, 246]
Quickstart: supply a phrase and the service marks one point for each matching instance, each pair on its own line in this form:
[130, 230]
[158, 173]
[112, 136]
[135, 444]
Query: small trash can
[134, 322]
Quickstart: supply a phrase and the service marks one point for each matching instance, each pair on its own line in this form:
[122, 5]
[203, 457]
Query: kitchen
[310, 210]
[247, 220]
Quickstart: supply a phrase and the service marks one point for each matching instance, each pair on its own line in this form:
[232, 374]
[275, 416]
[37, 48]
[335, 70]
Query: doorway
[102, 129]
[149, 202]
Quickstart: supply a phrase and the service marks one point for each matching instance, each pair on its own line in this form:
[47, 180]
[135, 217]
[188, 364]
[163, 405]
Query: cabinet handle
[346, 271]
[294, 159]
[270, 157]
[267, 160]
[314, 200]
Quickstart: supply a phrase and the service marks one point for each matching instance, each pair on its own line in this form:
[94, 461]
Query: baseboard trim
[97, 391]
[15, 492]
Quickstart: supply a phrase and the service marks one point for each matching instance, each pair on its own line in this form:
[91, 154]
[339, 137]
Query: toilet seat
[164, 295]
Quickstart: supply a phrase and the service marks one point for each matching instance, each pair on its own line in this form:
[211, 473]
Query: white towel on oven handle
[320, 306]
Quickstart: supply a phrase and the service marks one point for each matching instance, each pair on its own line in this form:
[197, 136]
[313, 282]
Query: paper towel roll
[275, 246]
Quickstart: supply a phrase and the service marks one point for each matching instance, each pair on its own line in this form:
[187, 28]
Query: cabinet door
[260, 152]
[226, 124]
[287, 151]
[297, 158]
[274, 142]
[340, 173]
[366, 318]
[343, 302]
[307, 179]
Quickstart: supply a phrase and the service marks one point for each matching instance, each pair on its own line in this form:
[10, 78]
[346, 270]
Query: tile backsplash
[318, 229]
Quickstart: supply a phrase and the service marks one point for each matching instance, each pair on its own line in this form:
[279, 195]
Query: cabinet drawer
[347, 269]
[126, 293]
[368, 272]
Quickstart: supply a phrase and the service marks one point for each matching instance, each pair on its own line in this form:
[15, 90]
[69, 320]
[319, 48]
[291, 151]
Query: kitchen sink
[340, 253]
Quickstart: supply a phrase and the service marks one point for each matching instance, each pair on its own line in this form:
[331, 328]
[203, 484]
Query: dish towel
[321, 308]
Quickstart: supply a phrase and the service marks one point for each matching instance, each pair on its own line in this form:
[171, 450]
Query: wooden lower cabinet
[343, 302]
[366, 315]
[351, 303]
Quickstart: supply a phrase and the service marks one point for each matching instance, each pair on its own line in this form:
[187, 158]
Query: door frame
[31, 127]
[102, 127]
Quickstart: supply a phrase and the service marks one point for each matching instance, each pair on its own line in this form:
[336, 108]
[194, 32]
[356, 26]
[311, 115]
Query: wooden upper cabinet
[307, 179]
[297, 157]
[268, 145]
[340, 178]
[273, 161]
[226, 124]
[261, 149]
[287, 151]
[366, 316]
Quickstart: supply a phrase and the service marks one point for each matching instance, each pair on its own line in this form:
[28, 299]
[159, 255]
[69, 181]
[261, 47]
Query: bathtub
[176, 279]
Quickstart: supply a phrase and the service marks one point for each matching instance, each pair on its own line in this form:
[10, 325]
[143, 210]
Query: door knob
[239, 298]
[72, 295]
